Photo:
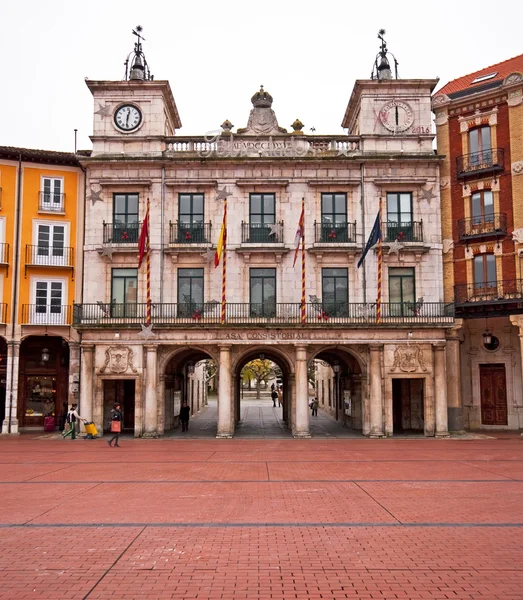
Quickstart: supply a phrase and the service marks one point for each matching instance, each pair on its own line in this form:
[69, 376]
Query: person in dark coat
[116, 424]
[185, 412]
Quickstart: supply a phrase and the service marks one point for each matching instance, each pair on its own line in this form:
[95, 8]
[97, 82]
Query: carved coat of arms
[118, 359]
[408, 359]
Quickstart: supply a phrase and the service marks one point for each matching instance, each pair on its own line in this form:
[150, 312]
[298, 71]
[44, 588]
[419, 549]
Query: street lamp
[336, 369]
[45, 355]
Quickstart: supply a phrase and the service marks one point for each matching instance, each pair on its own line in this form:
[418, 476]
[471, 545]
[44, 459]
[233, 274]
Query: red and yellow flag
[222, 240]
[143, 242]
[299, 233]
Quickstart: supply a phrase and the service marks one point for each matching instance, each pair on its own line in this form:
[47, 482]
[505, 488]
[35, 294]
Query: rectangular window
[334, 218]
[399, 217]
[190, 219]
[485, 277]
[51, 196]
[482, 207]
[190, 292]
[480, 146]
[263, 292]
[124, 292]
[126, 226]
[262, 213]
[402, 292]
[50, 245]
[48, 307]
[335, 292]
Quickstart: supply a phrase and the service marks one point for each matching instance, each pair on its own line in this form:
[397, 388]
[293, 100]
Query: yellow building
[41, 233]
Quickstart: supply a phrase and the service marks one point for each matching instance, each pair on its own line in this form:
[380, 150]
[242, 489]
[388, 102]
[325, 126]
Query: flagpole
[224, 262]
[148, 241]
[303, 306]
[380, 265]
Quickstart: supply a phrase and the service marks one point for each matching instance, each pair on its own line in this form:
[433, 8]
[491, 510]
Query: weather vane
[381, 69]
[139, 68]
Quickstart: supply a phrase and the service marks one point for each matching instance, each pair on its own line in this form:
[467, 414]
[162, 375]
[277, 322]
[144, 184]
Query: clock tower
[136, 115]
[391, 114]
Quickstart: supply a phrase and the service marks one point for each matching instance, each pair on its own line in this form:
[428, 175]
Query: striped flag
[143, 242]
[222, 240]
[374, 237]
[300, 233]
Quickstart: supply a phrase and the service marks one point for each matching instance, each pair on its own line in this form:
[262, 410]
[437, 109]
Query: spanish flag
[222, 240]
[300, 233]
[144, 241]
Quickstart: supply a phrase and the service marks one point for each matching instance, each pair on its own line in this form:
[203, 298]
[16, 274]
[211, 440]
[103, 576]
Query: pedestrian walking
[116, 424]
[274, 396]
[280, 396]
[185, 412]
[314, 406]
[71, 419]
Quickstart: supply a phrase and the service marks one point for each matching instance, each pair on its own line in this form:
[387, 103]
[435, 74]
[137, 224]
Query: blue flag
[374, 236]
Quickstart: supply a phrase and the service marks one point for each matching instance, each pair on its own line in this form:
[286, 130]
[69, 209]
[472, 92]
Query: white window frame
[50, 258]
[50, 206]
[48, 318]
[3, 246]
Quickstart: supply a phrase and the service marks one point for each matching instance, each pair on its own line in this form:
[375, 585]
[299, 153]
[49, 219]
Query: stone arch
[340, 348]
[166, 353]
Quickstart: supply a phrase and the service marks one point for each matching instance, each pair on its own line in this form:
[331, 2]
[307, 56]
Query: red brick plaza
[261, 519]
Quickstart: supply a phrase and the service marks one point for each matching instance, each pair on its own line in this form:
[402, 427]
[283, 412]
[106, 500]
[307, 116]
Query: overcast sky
[215, 55]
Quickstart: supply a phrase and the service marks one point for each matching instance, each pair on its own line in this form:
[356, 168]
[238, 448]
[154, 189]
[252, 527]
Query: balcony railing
[335, 233]
[259, 233]
[121, 233]
[411, 231]
[46, 314]
[494, 224]
[486, 161]
[352, 314]
[4, 253]
[489, 292]
[51, 202]
[186, 233]
[3, 312]
[49, 256]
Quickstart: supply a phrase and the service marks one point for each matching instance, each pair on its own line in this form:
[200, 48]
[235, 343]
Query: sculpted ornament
[118, 359]
[448, 245]
[517, 235]
[517, 168]
[408, 359]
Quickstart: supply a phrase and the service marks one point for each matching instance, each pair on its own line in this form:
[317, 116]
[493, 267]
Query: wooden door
[493, 388]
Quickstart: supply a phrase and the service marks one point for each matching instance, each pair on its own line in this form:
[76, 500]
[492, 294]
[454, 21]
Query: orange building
[41, 234]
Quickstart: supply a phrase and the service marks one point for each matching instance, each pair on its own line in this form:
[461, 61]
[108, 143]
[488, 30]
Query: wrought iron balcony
[46, 314]
[51, 202]
[4, 253]
[411, 231]
[486, 161]
[494, 225]
[259, 233]
[101, 314]
[490, 292]
[189, 234]
[49, 256]
[121, 233]
[335, 233]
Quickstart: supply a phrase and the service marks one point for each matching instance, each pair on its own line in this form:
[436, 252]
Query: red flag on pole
[222, 240]
[143, 242]
[300, 234]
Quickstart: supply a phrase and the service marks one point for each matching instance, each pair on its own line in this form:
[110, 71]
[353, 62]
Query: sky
[216, 54]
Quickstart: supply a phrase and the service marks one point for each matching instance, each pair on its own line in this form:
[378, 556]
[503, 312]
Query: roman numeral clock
[128, 117]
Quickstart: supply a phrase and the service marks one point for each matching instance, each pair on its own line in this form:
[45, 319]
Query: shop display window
[41, 396]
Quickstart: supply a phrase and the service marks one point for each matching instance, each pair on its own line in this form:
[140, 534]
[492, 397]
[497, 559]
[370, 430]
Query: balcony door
[126, 226]
[262, 214]
[52, 194]
[482, 208]
[485, 277]
[263, 292]
[124, 292]
[48, 307]
[335, 292]
[402, 292]
[334, 218]
[399, 217]
[190, 219]
[50, 245]
[480, 146]
[190, 292]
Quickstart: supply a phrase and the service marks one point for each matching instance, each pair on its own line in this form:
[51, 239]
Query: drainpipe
[362, 197]
[14, 309]
[162, 216]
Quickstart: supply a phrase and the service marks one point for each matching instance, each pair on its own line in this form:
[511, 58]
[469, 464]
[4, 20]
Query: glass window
[262, 214]
[126, 226]
[334, 218]
[263, 292]
[124, 292]
[482, 207]
[51, 239]
[402, 291]
[485, 271]
[190, 292]
[335, 292]
[52, 198]
[399, 217]
[480, 139]
[190, 219]
[48, 307]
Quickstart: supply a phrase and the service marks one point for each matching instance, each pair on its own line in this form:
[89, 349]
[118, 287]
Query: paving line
[272, 481]
[257, 525]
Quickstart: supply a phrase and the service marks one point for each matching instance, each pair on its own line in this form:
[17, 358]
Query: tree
[258, 370]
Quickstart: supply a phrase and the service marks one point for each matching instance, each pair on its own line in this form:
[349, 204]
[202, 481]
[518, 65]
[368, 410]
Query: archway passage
[263, 395]
[338, 385]
[191, 381]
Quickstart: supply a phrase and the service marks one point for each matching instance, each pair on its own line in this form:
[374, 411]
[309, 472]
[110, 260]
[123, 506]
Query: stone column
[161, 404]
[151, 398]
[454, 397]
[225, 426]
[376, 398]
[87, 385]
[11, 389]
[440, 390]
[301, 424]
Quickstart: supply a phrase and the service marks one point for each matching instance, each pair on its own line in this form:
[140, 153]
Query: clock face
[396, 116]
[128, 117]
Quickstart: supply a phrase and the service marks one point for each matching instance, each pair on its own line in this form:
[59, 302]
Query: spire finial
[382, 69]
[139, 70]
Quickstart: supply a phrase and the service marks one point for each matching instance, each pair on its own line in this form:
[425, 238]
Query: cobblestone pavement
[261, 518]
